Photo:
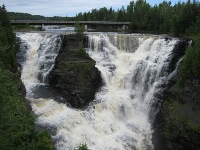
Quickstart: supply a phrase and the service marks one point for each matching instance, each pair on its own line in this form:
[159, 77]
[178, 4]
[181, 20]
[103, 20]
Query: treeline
[182, 18]
[190, 67]
[26, 16]
[17, 128]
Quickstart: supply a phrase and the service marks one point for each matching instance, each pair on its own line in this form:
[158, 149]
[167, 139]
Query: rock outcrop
[177, 125]
[75, 76]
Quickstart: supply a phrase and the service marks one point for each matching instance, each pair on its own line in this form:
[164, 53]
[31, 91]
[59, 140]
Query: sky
[65, 7]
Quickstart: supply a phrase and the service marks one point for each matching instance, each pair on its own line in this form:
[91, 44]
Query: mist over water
[133, 68]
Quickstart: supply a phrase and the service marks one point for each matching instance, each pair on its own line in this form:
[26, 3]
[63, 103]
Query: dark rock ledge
[177, 125]
[75, 76]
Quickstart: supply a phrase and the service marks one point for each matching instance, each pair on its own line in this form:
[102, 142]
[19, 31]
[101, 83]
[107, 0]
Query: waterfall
[134, 69]
[36, 58]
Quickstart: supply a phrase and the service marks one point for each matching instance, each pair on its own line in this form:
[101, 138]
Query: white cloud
[60, 7]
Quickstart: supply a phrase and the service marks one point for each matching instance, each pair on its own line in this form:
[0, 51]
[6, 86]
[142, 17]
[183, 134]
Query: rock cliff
[75, 75]
[177, 125]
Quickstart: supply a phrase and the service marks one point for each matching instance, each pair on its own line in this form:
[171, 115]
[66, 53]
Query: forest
[180, 19]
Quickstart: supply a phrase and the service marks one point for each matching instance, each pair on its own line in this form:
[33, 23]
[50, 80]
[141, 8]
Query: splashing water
[41, 51]
[132, 67]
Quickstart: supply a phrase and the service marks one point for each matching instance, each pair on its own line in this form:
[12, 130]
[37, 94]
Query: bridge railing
[54, 22]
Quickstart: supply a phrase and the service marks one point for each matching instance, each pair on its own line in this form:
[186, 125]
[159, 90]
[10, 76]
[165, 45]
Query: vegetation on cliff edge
[190, 68]
[181, 121]
[17, 128]
[180, 109]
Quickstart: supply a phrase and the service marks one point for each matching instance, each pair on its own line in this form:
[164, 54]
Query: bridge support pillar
[42, 27]
[85, 27]
[121, 28]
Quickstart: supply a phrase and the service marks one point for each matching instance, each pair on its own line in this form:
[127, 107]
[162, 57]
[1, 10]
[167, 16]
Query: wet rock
[75, 76]
[178, 52]
[177, 125]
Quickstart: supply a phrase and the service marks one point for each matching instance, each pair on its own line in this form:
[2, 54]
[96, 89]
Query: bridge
[121, 25]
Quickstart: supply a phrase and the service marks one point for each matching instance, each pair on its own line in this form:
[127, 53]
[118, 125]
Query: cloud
[60, 7]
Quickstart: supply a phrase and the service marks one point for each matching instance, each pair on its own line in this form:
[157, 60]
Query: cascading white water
[40, 53]
[132, 67]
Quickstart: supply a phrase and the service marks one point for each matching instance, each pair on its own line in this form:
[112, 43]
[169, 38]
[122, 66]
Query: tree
[79, 29]
[130, 8]
[140, 15]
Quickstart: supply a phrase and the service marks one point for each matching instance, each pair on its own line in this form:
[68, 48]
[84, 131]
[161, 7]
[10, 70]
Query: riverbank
[17, 127]
[177, 124]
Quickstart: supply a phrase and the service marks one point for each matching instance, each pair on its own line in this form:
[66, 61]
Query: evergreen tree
[17, 128]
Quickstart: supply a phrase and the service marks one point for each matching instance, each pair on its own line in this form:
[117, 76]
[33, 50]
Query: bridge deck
[53, 22]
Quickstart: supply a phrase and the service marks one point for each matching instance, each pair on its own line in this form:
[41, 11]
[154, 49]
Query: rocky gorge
[75, 77]
[177, 123]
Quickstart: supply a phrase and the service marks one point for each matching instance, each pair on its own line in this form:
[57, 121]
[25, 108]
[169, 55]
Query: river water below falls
[133, 68]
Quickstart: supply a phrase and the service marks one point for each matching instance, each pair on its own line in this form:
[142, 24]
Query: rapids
[133, 68]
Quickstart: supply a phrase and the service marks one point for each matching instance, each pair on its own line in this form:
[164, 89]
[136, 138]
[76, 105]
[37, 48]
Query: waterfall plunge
[39, 53]
[132, 67]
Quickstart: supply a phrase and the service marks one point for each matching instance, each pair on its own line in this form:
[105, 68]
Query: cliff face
[75, 75]
[178, 122]
[177, 125]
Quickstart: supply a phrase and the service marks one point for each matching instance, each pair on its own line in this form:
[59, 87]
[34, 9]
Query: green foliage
[82, 147]
[81, 70]
[190, 67]
[180, 19]
[25, 28]
[16, 123]
[7, 42]
[79, 29]
[83, 54]
[194, 28]
[181, 123]
[26, 16]
[139, 21]
[17, 128]
[103, 14]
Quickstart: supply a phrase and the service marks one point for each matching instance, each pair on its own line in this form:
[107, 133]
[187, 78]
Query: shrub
[190, 67]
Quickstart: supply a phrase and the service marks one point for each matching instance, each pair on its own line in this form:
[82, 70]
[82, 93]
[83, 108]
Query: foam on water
[118, 118]
[40, 55]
